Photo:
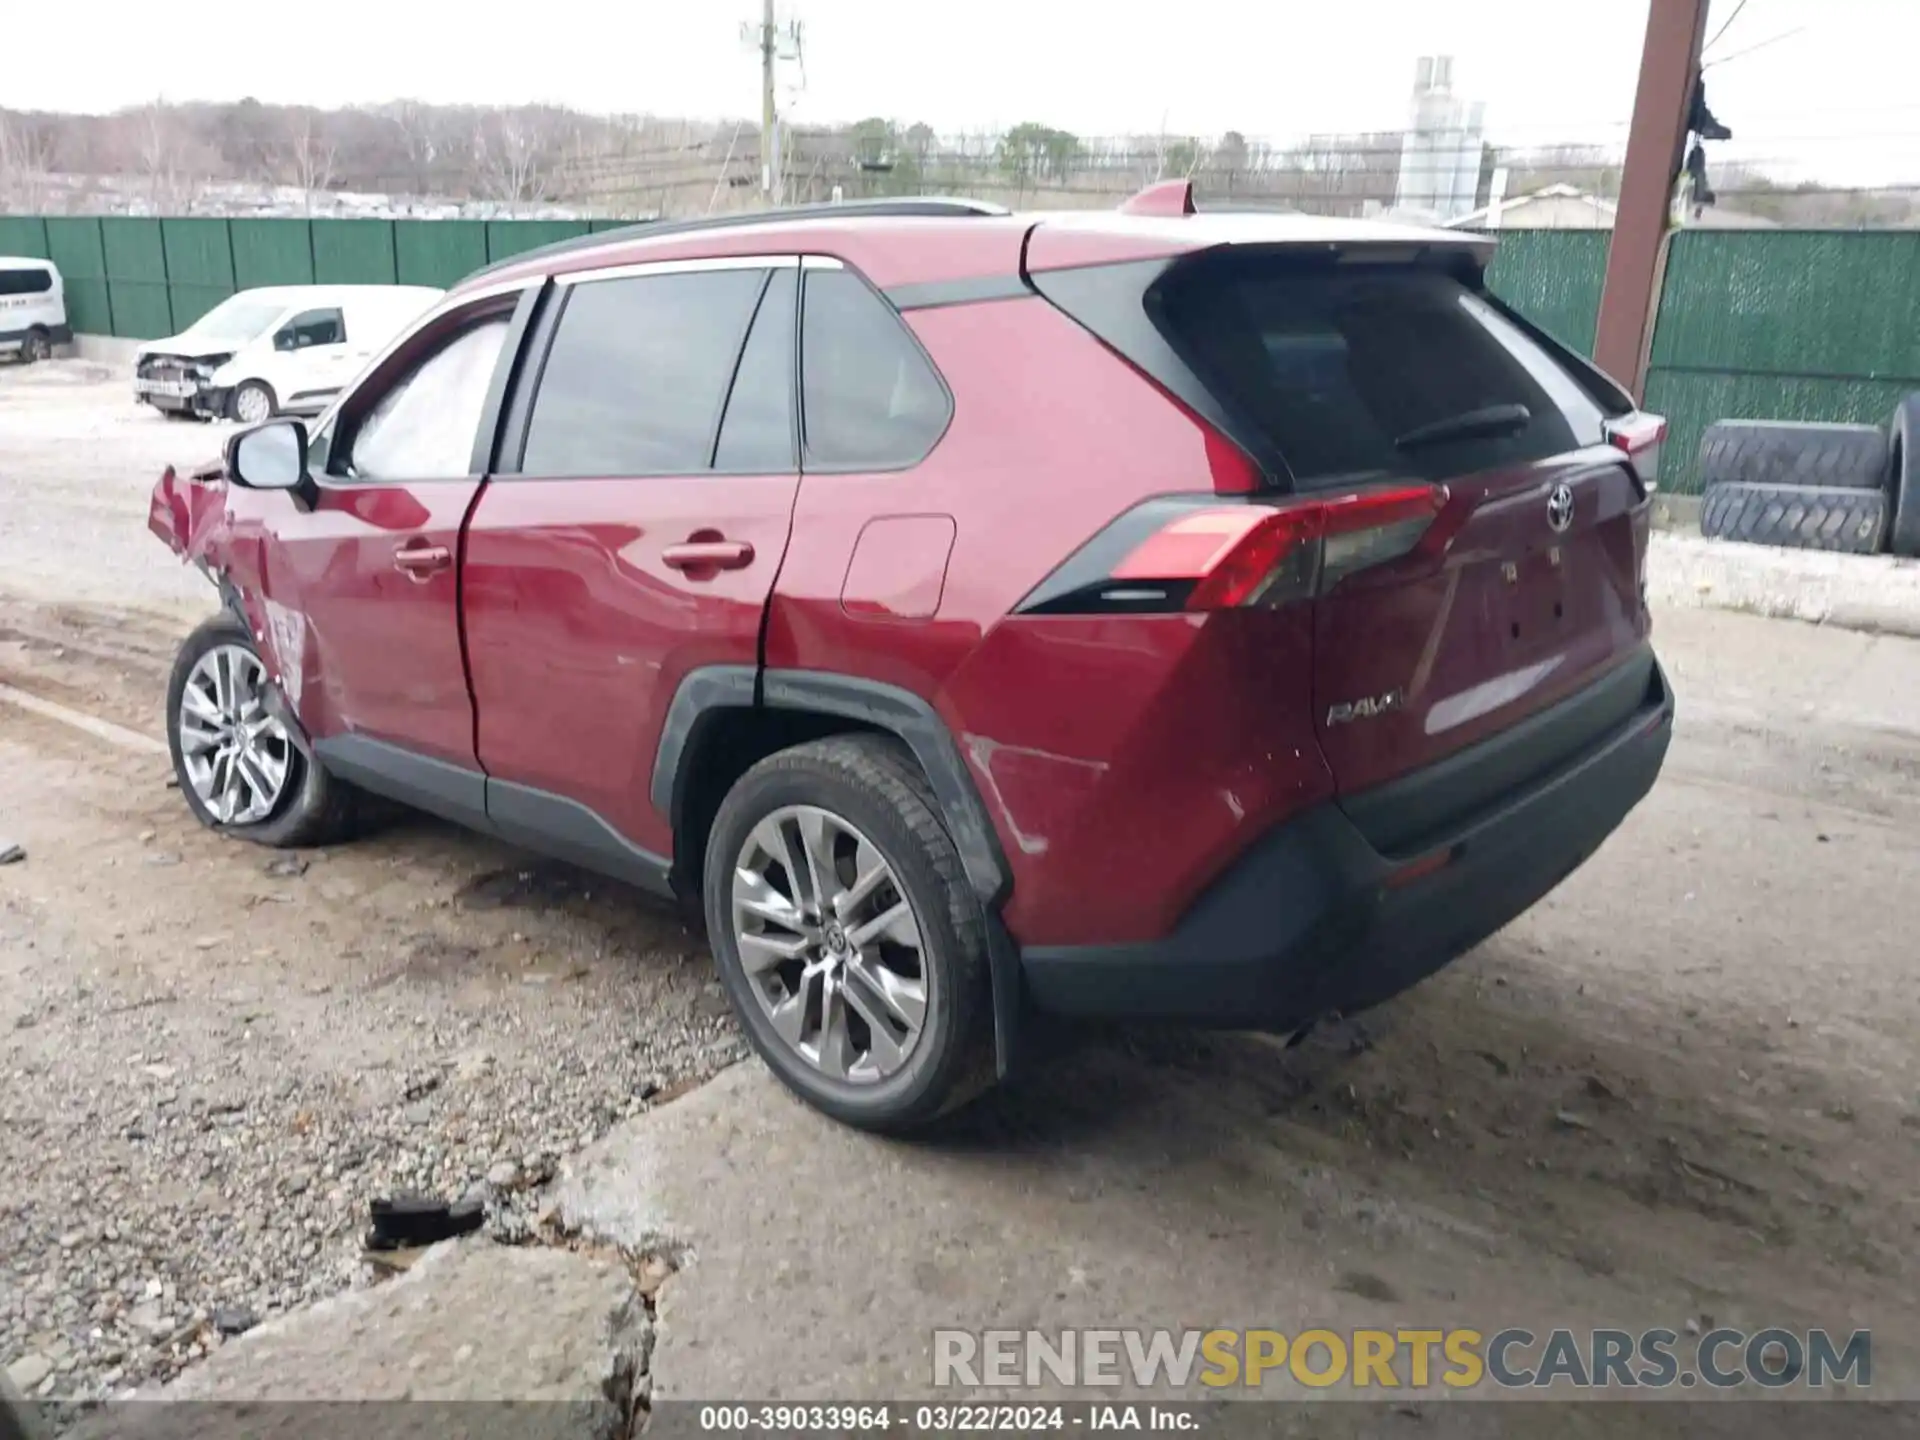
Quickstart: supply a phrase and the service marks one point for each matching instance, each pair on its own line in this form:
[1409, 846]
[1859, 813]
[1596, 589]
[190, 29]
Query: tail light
[1640, 436]
[1195, 555]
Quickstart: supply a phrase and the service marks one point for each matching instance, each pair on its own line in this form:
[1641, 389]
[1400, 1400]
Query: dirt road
[1683, 1089]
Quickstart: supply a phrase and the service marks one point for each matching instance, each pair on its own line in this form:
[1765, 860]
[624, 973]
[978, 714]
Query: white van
[33, 308]
[278, 350]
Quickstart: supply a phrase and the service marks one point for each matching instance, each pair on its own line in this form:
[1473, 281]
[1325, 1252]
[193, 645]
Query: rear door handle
[418, 562]
[708, 555]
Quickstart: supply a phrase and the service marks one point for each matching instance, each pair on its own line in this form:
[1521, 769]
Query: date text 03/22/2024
[940, 1419]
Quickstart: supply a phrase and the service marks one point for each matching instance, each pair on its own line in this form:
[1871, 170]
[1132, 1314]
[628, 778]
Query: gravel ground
[211, 1066]
[78, 459]
[211, 1058]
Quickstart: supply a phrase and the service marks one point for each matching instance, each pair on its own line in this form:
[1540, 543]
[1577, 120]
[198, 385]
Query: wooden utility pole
[769, 121]
[1669, 66]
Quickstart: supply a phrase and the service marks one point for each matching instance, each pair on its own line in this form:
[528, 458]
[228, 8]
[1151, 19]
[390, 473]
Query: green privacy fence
[1780, 324]
[145, 278]
[1553, 278]
[1753, 324]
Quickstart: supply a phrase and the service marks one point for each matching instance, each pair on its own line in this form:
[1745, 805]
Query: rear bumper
[1313, 920]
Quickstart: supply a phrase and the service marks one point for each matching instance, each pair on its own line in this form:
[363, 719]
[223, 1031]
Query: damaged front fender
[189, 513]
[224, 533]
[218, 528]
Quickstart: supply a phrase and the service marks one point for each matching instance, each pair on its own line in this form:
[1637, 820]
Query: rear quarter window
[1341, 367]
[870, 399]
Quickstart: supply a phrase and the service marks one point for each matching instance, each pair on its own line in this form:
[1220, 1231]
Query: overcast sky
[1836, 98]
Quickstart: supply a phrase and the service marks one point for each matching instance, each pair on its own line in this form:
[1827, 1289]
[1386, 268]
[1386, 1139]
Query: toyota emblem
[1560, 508]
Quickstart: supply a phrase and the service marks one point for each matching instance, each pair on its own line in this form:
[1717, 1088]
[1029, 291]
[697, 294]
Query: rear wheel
[239, 769]
[848, 939]
[36, 347]
[253, 402]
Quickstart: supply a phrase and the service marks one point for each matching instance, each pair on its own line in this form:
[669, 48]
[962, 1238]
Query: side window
[869, 398]
[311, 327]
[756, 435]
[637, 373]
[424, 427]
[25, 281]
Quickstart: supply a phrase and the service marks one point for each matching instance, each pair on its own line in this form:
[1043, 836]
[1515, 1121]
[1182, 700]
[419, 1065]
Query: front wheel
[239, 769]
[253, 402]
[846, 934]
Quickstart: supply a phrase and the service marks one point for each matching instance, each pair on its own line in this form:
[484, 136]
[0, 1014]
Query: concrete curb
[1878, 594]
[1677, 512]
[106, 350]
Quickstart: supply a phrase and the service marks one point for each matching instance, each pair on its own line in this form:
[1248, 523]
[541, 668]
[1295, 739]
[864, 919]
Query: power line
[1724, 28]
[1784, 35]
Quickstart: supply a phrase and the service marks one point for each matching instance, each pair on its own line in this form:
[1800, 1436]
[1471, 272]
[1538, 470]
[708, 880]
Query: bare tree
[420, 139]
[26, 157]
[307, 155]
[162, 147]
[507, 155]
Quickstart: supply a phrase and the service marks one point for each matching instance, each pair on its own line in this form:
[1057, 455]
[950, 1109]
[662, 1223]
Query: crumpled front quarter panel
[228, 533]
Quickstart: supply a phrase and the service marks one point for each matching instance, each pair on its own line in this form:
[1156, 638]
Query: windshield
[240, 318]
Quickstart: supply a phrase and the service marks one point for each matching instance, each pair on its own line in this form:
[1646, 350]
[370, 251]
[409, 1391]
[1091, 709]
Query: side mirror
[285, 340]
[272, 456]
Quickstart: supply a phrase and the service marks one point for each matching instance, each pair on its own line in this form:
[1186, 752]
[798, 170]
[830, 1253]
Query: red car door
[633, 536]
[363, 587]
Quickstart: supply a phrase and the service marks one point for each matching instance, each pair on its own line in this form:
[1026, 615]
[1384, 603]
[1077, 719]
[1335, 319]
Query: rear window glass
[1365, 371]
[24, 281]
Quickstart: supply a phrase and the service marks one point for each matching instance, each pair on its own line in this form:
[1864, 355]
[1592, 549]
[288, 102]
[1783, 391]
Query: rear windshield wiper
[1469, 424]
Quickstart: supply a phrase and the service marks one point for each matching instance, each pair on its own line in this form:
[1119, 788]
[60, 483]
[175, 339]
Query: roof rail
[906, 205]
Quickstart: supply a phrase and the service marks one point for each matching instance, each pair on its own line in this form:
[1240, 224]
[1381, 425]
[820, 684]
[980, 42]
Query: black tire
[1903, 469]
[19, 1416]
[37, 346]
[872, 782]
[1796, 517]
[315, 808]
[1782, 452]
[259, 387]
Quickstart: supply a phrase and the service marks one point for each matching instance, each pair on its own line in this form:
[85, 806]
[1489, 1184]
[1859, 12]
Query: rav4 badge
[1370, 708]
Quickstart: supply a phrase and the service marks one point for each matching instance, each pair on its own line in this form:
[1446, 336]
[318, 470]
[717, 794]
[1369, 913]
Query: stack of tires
[1850, 488]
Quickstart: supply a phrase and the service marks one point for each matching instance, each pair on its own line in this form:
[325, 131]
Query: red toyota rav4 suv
[1218, 618]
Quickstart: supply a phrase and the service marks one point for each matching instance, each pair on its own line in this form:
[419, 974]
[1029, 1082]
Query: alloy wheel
[830, 945]
[250, 406]
[236, 756]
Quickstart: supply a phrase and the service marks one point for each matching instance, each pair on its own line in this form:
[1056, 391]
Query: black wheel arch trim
[713, 688]
[706, 691]
[702, 696]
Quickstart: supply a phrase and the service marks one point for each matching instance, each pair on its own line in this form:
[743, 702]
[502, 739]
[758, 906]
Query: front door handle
[418, 562]
[708, 555]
